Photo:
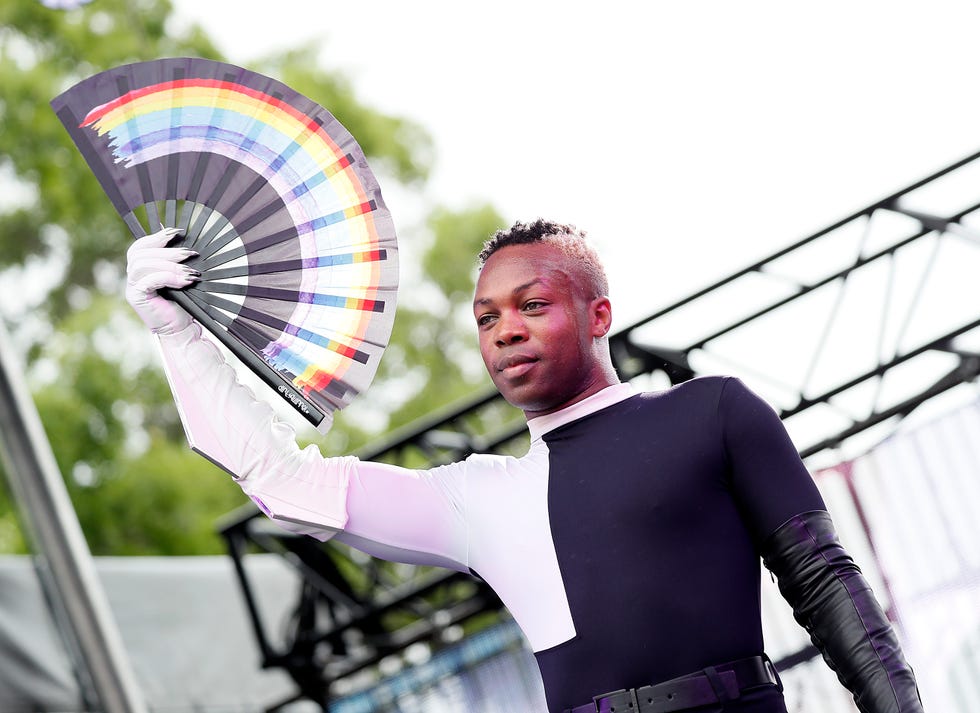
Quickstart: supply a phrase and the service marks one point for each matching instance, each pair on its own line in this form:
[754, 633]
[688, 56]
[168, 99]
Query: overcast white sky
[686, 138]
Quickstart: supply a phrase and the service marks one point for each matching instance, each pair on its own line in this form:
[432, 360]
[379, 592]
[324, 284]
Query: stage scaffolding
[847, 332]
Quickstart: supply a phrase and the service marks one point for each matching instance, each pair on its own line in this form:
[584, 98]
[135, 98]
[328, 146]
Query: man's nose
[511, 329]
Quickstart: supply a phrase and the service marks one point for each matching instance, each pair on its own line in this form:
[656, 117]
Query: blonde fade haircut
[568, 239]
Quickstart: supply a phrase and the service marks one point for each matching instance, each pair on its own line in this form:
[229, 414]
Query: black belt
[711, 685]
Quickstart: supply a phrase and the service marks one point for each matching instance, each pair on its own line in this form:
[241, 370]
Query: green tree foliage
[43, 52]
[107, 409]
[435, 334]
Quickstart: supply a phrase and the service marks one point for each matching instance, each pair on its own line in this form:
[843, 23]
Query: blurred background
[808, 175]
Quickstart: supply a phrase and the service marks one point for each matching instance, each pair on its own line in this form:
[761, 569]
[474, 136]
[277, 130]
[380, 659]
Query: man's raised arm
[404, 514]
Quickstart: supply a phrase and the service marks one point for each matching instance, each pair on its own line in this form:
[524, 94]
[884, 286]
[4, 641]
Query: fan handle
[304, 406]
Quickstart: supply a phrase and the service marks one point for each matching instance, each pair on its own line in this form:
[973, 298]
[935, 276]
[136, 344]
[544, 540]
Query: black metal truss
[916, 244]
[352, 611]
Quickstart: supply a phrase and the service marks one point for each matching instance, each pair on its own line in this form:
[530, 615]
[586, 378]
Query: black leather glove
[833, 602]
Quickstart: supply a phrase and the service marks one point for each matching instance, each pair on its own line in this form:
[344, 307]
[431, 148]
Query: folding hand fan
[297, 250]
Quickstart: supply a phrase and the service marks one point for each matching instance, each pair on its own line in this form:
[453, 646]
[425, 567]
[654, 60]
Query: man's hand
[151, 265]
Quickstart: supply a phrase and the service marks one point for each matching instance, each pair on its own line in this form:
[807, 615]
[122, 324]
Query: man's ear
[600, 314]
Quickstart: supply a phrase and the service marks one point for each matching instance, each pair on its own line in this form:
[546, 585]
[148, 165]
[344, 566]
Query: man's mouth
[515, 364]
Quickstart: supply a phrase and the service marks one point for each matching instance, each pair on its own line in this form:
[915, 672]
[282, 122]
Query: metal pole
[63, 560]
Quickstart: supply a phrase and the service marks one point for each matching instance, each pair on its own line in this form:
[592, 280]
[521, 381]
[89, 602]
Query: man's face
[538, 330]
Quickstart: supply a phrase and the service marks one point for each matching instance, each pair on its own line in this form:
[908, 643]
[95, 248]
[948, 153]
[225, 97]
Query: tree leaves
[136, 486]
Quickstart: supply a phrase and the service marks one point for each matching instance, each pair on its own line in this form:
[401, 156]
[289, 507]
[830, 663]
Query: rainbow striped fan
[298, 253]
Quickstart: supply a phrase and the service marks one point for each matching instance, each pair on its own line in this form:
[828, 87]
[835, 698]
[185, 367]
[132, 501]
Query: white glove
[151, 265]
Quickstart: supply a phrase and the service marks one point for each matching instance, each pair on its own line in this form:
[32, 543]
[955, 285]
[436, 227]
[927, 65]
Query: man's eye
[484, 320]
[533, 305]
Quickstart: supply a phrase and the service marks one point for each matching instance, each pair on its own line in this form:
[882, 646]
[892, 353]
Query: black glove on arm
[833, 602]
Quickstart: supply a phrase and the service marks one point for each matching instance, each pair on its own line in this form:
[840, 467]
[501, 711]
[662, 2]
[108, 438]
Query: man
[625, 543]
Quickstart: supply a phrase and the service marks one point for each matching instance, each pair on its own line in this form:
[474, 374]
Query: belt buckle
[631, 693]
[773, 673]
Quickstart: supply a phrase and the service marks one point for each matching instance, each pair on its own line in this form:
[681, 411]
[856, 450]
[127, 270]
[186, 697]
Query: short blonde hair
[567, 238]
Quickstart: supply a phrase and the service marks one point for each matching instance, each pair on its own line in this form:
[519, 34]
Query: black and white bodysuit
[624, 542]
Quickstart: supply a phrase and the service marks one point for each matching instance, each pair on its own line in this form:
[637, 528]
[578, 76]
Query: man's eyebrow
[515, 291]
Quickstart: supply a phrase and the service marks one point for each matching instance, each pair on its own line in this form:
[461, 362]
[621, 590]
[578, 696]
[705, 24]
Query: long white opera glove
[299, 489]
[151, 266]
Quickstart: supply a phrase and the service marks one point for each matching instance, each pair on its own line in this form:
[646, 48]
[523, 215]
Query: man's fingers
[156, 281]
[151, 274]
[155, 253]
[151, 266]
[159, 239]
[146, 256]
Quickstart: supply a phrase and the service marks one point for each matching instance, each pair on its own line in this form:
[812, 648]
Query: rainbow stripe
[292, 151]
[296, 247]
[312, 174]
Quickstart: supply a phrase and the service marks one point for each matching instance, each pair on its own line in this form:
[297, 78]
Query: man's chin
[515, 395]
[531, 404]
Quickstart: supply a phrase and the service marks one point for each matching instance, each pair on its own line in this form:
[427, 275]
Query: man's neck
[612, 394]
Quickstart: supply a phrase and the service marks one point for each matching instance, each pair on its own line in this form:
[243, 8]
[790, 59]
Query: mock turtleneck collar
[599, 400]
